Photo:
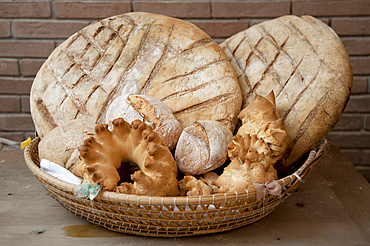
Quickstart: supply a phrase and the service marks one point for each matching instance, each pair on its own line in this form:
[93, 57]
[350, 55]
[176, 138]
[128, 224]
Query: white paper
[59, 172]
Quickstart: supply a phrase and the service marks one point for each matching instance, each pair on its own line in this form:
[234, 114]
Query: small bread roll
[149, 110]
[61, 145]
[202, 147]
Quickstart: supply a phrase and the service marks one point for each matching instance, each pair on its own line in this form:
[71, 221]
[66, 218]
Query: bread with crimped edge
[137, 143]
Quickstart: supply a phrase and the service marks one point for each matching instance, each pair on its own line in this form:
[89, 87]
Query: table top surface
[332, 207]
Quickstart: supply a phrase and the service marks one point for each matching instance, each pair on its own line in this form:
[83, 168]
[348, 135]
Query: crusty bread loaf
[136, 53]
[202, 147]
[150, 110]
[304, 62]
[61, 145]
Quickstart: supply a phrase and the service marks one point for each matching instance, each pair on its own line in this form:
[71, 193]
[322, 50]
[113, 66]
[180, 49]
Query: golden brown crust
[137, 143]
[262, 119]
[190, 186]
[258, 144]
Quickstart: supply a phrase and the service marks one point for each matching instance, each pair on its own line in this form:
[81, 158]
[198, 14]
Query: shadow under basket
[170, 216]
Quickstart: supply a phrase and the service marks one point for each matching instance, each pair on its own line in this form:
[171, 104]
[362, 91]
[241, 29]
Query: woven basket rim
[299, 175]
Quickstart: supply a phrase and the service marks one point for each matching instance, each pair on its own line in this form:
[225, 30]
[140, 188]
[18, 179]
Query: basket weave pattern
[169, 216]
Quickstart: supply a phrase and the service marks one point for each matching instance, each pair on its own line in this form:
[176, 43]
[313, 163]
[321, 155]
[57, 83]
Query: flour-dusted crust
[202, 147]
[61, 145]
[306, 65]
[150, 110]
[136, 53]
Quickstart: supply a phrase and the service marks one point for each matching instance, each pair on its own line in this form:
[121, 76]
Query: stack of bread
[191, 116]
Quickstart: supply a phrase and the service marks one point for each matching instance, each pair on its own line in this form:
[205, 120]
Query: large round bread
[306, 65]
[136, 53]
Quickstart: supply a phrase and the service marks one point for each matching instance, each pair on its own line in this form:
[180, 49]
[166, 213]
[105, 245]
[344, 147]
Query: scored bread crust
[136, 53]
[306, 65]
[150, 110]
[202, 147]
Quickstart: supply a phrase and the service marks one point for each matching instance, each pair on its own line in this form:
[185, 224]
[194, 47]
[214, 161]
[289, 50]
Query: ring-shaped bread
[136, 143]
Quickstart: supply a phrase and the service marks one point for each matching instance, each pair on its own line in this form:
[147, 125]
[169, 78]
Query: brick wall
[30, 30]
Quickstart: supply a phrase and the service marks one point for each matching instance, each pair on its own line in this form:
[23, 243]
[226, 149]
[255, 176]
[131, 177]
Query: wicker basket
[169, 216]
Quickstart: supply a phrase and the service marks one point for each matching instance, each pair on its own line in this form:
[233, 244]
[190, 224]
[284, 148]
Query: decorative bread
[306, 65]
[250, 162]
[136, 53]
[150, 110]
[259, 143]
[262, 119]
[202, 147]
[137, 143]
[61, 145]
[190, 186]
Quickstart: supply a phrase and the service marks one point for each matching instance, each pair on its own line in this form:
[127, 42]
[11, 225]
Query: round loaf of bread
[136, 53]
[202, 147]
[306, 65]
[61, 145]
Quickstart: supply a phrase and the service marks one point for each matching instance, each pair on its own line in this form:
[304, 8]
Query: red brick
[15, 136]
[360, 85]
[250, 9]
[221, 29]
[5, 29]
[29, 9]
[357, 46]
[16, 122]
[350, 122]
[365, 157]
[351, 26]
[360, 65]
[47, 29]
[31, 67]
[15, 86]
[9, 67]
[350, 140]
[37, 49]
[257, 21]
[90, 10]
[25, 104]
[10, 104]
[331, 8]
[367, 123]
[358, 104]
[179, 9]
[353, 155]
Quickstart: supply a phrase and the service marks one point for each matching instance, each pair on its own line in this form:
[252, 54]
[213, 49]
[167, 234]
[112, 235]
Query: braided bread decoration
[137, 143]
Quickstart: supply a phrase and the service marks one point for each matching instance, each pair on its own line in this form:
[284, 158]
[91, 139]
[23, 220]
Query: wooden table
[331, 208]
